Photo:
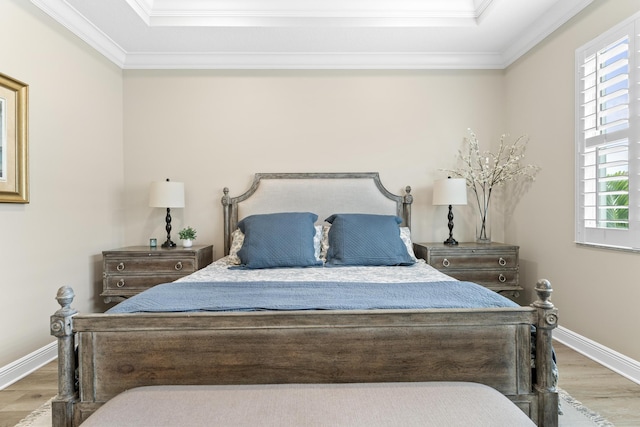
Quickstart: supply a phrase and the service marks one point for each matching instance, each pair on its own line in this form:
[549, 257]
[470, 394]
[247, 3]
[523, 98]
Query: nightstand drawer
[487, 278]
[158, 265]
[138, 283]
[450, 261]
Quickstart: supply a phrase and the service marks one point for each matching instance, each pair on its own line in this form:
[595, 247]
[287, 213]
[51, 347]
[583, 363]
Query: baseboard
[619, 363]
[19, 369]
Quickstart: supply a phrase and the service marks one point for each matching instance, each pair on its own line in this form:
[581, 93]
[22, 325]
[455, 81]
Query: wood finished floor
[600, 389]
[24, 396]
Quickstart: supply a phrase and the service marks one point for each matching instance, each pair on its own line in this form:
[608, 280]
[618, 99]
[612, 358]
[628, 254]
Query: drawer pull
[446, 262]
[502, 261]
[501, 278]
[178, 266]
[120, 283]
[120, 266]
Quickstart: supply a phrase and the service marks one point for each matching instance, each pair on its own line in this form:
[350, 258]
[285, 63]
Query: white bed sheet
[219, 271]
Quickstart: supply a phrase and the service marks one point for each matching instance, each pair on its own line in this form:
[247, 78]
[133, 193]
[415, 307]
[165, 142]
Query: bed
[338, 338]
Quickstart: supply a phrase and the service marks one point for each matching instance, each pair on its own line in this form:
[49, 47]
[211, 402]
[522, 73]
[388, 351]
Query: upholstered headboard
[321, 193]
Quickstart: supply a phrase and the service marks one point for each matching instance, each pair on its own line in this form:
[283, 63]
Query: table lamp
[450, 191]
[167, 194]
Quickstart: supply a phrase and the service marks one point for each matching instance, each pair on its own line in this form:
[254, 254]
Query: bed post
[62, 328]
[407, 200]
[226, 209]
[545, 381]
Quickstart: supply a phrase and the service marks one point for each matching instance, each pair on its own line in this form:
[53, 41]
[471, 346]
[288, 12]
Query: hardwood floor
[598, 388]
[601, 390]
[24, 396]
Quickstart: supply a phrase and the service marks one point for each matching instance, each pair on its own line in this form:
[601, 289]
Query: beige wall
[596, 290]
[76, 176]
[213, 129]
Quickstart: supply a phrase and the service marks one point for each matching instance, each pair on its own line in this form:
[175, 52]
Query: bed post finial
[61, 327]
[544, 290]
[408, 198]
[225, 199]
[65, 297]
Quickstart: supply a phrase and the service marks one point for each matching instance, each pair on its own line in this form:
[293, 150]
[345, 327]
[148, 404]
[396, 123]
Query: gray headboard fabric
[321, 193]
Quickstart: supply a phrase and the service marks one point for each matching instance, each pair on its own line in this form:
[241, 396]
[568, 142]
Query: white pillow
[317, 239]
[237, 239]
[405, 235]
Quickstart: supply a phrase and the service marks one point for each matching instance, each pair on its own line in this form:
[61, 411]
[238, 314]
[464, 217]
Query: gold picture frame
[14, 164]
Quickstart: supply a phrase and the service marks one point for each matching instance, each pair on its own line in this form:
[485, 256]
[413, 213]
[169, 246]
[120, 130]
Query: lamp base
[451, 241]
[169, 244]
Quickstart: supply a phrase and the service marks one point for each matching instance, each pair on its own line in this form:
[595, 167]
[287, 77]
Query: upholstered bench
[374, 404]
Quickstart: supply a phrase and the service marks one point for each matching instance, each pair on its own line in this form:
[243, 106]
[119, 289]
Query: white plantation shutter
[607, 143]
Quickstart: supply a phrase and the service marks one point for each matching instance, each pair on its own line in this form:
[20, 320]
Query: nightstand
[492, 265]
[130, 270]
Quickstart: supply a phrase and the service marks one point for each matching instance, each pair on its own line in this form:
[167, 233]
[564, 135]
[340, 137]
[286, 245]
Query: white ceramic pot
[187, 243]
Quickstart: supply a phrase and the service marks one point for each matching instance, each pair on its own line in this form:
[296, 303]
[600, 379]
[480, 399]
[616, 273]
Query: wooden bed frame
[111, 353]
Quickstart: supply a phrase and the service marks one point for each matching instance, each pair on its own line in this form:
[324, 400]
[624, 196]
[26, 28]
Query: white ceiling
[312, 34]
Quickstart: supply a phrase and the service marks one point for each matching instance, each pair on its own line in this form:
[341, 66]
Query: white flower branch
[484, 170]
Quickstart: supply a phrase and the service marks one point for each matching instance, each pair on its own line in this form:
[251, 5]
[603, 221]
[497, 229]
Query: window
[607, 139]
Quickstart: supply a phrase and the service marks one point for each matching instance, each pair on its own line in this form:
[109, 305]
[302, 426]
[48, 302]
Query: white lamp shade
[166, 194]
[450, 191]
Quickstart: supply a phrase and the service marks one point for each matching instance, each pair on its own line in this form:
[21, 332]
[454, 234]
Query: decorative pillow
[364, 239]
[278, 240]
[237, 238]
[405, 236]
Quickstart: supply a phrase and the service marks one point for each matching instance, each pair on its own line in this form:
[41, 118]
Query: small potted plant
[187, 235]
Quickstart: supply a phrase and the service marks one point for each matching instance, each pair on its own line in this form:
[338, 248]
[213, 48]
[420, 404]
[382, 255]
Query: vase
[483, 226]
[187, 243]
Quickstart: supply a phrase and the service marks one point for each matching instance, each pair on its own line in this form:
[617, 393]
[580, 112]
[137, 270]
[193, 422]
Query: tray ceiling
[312, 34]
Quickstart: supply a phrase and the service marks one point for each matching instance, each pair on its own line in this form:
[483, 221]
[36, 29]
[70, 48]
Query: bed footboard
[117, 352]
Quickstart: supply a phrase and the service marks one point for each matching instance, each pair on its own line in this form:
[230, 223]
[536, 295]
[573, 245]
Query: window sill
[611, 248]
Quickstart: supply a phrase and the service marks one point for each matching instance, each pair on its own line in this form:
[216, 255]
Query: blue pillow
[365, 239]
[278, 240]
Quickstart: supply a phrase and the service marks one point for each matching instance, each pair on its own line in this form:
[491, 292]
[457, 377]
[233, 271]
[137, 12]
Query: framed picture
[14, 185]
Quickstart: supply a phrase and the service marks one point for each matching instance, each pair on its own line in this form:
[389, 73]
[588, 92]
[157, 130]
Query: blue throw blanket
[257, 296]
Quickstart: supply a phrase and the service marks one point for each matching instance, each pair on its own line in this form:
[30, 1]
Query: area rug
[41, 417]
[573, 414]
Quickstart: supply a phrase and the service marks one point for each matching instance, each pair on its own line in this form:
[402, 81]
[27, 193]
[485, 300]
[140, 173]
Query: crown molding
[309, 60]
[74, 21]
[562, 13]
[323, 12]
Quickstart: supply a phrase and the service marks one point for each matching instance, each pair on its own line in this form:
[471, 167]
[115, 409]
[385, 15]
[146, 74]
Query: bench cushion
[371, 404]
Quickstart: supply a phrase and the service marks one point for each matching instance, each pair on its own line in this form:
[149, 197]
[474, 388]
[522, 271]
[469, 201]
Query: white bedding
[219, 271]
